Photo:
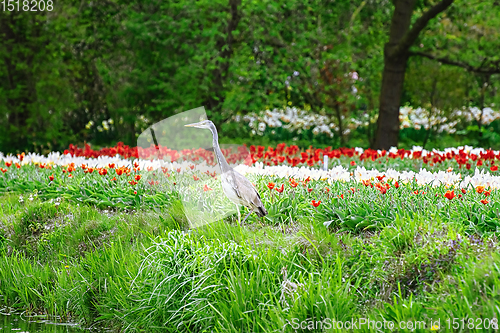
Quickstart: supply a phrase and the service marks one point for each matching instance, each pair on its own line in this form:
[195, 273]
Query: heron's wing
[245, 190]
[235, 181]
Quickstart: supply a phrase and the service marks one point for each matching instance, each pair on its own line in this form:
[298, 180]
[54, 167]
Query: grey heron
[236, 187]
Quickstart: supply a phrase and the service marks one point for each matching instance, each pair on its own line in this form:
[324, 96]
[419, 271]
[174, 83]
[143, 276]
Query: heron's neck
[218, 153]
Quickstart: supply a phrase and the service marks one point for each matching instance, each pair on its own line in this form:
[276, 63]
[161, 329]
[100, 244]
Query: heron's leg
[239, 214]
[250, 212]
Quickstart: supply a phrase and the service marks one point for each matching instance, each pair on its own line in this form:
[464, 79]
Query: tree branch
[411, 36]
[479, 69]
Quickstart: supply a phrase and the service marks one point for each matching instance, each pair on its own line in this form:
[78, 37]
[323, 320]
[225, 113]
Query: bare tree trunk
[390, 99]
[396, 54]
[393, 77]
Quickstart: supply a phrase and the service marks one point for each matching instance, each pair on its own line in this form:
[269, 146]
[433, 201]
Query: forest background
[100, 72]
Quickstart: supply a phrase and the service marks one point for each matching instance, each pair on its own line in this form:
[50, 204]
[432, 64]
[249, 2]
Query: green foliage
[136, 272]
[178, 282]
[3, 240]
[33, 217]
[119, 60]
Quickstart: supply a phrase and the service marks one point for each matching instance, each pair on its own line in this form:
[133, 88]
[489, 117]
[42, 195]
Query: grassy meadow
[408, 255]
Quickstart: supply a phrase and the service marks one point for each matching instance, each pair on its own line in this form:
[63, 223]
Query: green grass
[145, 271]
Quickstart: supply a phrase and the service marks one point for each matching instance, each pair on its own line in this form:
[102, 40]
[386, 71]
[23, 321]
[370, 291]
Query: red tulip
[137, 177]
[271, 185]
[315, 204]
[293, 183]
[484, 201]
[494, 168]
[280, 189]
[449, 195]
[51, 177]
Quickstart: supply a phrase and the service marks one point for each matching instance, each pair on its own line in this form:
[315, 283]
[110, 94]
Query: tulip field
[102, 238]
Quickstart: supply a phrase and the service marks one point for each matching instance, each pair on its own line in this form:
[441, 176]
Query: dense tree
[101, 72]
[476, 42]
[402, 36]
[306, 59]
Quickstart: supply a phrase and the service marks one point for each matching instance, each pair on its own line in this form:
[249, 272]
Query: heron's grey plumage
[236, 187]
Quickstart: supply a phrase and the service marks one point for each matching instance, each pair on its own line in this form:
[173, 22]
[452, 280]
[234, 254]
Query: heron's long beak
[192, 125]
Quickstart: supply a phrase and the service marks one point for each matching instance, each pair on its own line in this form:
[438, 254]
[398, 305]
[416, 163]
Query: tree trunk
[390, 100]
[396, 54]
[393, 77]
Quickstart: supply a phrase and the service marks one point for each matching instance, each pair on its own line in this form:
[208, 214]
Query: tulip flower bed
[463, 158]
[101, 236]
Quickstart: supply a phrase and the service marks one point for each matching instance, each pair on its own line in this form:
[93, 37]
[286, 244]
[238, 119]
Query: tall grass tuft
[177, 285]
